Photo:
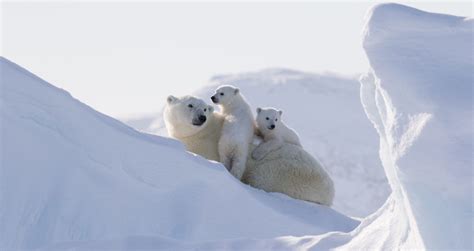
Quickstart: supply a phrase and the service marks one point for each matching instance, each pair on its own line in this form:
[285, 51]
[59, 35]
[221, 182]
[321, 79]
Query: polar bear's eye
[267, 118]
[222, 94]
[190, 106]
[276, 119]
[205, 109]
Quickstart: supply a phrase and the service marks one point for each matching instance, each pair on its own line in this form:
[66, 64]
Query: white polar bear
[273, 131]
[289, 170]
[195, 123]
[237, 131]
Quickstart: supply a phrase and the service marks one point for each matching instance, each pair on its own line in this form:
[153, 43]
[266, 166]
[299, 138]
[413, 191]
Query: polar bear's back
[292, 171]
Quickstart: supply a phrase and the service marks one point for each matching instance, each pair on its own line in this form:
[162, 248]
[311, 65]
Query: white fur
[237, 129]
[292, 171]
[199, 139]
[289, 169]
[274, 132]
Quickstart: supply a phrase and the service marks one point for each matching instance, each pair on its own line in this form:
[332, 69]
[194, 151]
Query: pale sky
[125, 58]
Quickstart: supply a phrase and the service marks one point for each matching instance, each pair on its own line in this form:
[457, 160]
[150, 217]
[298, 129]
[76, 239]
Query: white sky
[123, 59]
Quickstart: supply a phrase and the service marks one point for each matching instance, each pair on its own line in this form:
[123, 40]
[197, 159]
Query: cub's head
[268, 119]
[225, 94]
[186, 115]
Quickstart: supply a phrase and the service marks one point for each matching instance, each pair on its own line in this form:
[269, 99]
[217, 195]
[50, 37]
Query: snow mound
[418, 95]
[72, 177]
[321, 108]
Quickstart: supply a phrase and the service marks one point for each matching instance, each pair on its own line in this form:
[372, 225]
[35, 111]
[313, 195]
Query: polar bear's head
[186, 115]
[225, 94]
[268, 119]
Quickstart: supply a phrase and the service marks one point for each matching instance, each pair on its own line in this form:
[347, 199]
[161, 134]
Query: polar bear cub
[274, 132]
[237, 129]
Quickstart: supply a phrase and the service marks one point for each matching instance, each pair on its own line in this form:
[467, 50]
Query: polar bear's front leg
[238, 167]
[225, 157]
[239, 163]
[266, 147]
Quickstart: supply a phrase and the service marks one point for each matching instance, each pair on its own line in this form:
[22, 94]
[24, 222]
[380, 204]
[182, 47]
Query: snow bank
[419, 97]
[321, 107]
[72, 176]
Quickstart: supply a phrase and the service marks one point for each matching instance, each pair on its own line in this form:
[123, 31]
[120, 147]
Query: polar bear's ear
[211, 108]
[171, 99]
[236, 90]
[280, 112]
[259, 110]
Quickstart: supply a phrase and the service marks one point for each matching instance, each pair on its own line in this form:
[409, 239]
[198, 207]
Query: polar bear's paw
[259, 153]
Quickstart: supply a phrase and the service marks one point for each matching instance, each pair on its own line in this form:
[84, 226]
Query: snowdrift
[418, 95]
[73, 178]
[70, 174]
[321, 108]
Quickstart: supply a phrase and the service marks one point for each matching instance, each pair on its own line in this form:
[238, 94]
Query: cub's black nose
[213, 99]
[272, 127]
[202, 118]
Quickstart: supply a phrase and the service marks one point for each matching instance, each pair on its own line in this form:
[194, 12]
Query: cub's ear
[280, 112]
[259, 110]
[171, 99]
[236, 90]
[211, 108]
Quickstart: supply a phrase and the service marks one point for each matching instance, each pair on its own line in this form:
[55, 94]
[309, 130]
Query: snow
[73, 178]
[320, 107]
[71, 174]
[419, 97]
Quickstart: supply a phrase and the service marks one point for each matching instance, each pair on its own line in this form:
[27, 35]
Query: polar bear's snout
[202, 118]
[199, 120]
[214, 99]
[271, 127]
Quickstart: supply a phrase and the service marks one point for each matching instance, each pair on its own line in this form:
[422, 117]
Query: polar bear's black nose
[202, 118]
[213, 98]
[272, 127]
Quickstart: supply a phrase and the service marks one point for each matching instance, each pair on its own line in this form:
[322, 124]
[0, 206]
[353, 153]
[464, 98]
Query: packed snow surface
[71, 177]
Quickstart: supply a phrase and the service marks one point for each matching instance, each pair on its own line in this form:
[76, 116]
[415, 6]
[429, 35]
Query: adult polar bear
[289, 169]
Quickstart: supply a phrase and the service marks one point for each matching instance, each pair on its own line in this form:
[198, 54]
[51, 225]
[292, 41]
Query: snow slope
[69, 174]
[418, 95]
[73, 178]
[321, 108]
